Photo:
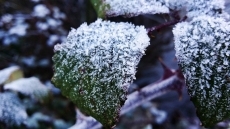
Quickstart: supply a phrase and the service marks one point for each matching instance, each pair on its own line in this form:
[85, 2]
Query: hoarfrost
[205, 7]
[205, 50]
[135, 7]
[96, 64]
[107, 45]
[194, 8]
[11, 109]
[190, 8]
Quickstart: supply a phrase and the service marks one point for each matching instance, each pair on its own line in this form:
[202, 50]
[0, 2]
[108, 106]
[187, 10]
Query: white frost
[135, 7]
[117, 47]
[190, 8]
[194, 8]
[29, 86]
[201, 46]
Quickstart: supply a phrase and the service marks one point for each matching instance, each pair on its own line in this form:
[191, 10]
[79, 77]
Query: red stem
[157, 28]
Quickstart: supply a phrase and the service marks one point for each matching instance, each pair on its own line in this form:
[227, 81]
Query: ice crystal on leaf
[135, 7]
[11, 109]
[130, 8]
[202, 49]
[97, 63]
[205, 7]
[194, 8]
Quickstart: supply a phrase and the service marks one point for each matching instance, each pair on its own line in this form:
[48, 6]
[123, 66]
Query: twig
[151, 91]
[85, 122]
[157, 28]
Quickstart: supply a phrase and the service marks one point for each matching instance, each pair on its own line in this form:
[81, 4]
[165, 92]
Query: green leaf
[94, 97]
[96, 64]
[100, 8]
[203, 52]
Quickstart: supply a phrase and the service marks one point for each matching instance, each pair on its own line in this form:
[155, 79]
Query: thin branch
[151, 91]
[167, 24]
[85, 122]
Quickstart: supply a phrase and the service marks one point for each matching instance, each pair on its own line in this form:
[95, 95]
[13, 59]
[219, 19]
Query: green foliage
[100, 8]
[98, 99]
[94, 70]
[203, 52]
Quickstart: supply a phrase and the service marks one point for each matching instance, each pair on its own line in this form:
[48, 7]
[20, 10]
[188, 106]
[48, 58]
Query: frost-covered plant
[203, 52]
[130, 8]
[193, 8]
[97, 61]
[96, 64]
[135, 7]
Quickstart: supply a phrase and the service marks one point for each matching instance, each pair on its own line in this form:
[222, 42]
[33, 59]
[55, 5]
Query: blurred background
[29, 29]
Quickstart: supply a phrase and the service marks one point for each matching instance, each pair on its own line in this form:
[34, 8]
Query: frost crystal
[202, 48]
[97, 63]
[135, 7]
[196, 8]
[106, 45]
[205, 7]
[11, 109]
[193, 8]
[29, 86]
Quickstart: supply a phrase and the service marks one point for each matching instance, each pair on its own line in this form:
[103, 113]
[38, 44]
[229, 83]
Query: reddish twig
[167, 24]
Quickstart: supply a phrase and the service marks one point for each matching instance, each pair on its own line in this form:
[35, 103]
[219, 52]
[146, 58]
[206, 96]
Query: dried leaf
[10, 74]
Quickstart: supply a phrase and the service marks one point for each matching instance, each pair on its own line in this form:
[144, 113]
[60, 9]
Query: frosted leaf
[205, 7]
[29, 86]
[97, 63]
[201, 52]
[135, 7]
[194, 8]
[9, 74]
[11, 109]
